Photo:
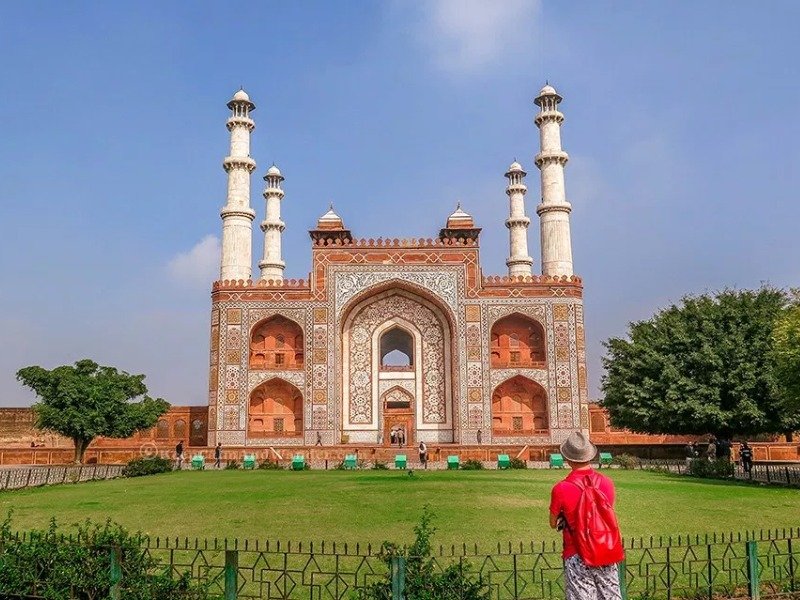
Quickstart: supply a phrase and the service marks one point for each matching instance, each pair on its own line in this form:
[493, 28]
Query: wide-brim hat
[578, 448]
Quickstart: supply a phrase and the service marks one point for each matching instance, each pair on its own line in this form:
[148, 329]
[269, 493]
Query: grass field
[371, 506]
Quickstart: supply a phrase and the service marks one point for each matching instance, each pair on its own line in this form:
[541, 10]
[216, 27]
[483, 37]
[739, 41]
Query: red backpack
[596, 531]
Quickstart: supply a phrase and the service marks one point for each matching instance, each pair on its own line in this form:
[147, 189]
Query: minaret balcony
[238, 162]
[556, 156]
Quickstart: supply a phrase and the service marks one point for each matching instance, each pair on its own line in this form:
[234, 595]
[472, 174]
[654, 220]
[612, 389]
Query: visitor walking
[479, 436]
[218, 456]
[393, 436]
[711, 449]
[401, 437]
[319, 439]
[746, 457]
[583, 502]
[179, 454]
[423, 454]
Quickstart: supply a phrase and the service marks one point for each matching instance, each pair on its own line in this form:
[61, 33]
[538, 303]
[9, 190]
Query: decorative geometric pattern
[472, 313]
[256, 378]
[442, 283]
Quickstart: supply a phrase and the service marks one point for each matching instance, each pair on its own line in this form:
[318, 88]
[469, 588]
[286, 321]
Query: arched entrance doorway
[396, 369]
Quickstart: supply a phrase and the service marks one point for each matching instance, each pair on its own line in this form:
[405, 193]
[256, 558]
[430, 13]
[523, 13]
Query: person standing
[746, 457]
[218, 455]
[711, 449]
[179, 454]
[401, 437]
[479, 437]
[393, 436]
[423, 454]
[319, 439]
[581, 507]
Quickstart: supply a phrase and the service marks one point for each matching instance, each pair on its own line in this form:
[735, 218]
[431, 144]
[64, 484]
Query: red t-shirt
[565, 496]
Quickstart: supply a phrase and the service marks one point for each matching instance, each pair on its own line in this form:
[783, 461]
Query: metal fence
[756, 564]
[20, 477]
[762, 473]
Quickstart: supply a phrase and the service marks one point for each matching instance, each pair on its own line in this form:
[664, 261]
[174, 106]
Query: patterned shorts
[590, 583]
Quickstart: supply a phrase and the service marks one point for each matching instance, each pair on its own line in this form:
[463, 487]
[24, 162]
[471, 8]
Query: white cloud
[199, 265]
[466, 36]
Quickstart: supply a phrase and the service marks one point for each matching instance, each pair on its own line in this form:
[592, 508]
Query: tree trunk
[80, 448]
[789, 436]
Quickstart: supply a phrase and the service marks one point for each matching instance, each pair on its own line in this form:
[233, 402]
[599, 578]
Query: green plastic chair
[298, 462]
[452, 462]
[350, 461]
[556, 461]
[249, 461]
[198, 462]
[606, 458]
[503, 461]
[400, 461]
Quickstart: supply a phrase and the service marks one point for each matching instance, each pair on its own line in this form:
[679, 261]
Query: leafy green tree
[703, 366]
[786, 356]
[87, 400]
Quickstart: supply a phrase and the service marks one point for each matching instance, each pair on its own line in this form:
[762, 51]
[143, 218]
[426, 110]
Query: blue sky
[681, 123]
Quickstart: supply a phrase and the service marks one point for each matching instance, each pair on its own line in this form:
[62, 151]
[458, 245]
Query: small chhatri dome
[547, 90]
[273, 170]
[241, 95]
[515, 166]
[460, 219]
[330, 220]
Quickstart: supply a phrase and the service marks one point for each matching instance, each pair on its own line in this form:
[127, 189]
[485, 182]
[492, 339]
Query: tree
[786, 356]
[87, 400]
[703, 366]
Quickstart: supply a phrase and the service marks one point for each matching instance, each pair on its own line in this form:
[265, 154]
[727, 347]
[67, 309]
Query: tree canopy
[786, 355]
[701, 366]
[87, 400]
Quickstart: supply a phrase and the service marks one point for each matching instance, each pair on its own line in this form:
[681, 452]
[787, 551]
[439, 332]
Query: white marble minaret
[272, 264]
[554, 210]
[237, 216]
[519, 263]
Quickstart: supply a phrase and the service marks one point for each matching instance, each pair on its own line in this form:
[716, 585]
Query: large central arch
[428, 378]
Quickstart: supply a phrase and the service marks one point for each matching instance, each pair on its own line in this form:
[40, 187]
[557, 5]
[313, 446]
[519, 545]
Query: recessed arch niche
[276, 343]
[519, 407]
[517, 341]
[275, 410]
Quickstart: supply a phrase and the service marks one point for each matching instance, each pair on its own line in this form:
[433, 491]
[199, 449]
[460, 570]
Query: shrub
[517, 463]
[715, 469]
[270, 465]
[232, 465]
[425, 580]
[147, 466]
[56, 566]
[380, 466]
[626, 461]
[471, 465]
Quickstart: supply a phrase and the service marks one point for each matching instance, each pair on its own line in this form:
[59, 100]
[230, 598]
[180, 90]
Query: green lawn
[370, 506]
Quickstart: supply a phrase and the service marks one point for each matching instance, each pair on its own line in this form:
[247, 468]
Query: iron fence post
[767, 472]
[669, 577]
[791, 565]
[752, 570]
[231, 574]
[788, 481]
[516, 591]
[398, 577]
[622, 570]
[115, 572]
